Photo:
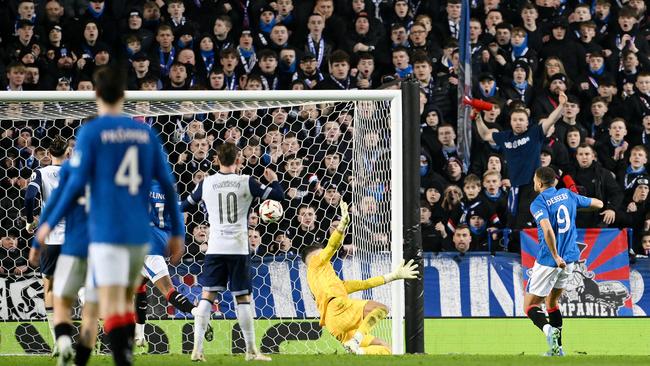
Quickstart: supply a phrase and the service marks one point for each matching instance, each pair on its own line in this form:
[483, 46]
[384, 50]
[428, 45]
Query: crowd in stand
[569, 81]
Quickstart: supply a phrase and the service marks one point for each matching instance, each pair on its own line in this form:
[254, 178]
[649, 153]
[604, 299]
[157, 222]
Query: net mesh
[323, 153]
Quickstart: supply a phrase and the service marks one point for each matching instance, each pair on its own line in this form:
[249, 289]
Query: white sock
[201, 319]
[245, 319]
[50, 321]
[139, 331]
[547, 329]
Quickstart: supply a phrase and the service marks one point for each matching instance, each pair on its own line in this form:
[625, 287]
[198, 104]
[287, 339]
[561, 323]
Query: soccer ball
[271, 211]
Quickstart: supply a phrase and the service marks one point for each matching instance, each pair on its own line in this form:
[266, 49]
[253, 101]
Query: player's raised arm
[273, 191]
[81, 168]
[336, 239]
[407, 271]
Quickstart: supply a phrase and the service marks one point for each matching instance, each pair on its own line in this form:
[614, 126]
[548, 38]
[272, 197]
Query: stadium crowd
[524, 58]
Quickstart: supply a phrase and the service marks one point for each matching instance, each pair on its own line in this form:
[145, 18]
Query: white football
[271, 211]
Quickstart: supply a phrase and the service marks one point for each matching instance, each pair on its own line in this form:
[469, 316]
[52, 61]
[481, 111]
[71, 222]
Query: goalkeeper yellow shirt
[325, 284]
[323, 281]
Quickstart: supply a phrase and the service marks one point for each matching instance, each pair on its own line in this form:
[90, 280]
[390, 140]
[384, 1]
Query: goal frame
[392, 96]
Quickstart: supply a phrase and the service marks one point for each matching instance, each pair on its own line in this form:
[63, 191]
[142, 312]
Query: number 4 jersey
[559, 207]
[228, 198]
[118, 158]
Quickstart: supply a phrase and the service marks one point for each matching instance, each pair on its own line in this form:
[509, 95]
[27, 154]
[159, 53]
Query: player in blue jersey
[227, 197]
[554, 211]
[155, 267]
[42, 183]
[117, 158]
[69, 277]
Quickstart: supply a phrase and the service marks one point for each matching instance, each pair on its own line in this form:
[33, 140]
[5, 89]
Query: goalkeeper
[348, 320]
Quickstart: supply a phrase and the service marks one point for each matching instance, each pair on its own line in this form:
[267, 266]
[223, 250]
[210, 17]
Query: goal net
[325, 146]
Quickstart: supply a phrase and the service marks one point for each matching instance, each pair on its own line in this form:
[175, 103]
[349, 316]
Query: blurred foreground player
[117, 158]
[554, 211]
[348, 320]
[69, 278]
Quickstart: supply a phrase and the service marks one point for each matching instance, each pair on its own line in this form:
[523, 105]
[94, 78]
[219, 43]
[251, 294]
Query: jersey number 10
[231, 208]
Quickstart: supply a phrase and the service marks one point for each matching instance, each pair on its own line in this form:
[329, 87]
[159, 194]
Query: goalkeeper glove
[406, 271]
[31, 226]
[345, 217]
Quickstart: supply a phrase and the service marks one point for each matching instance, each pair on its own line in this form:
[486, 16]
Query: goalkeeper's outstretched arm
[336, 239]
[403, 271]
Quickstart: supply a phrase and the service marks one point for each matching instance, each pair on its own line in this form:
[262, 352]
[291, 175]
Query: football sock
[179, 301]
[245, 319]
[201, 319]
[374, 317]
[555, 319]
[141, 304]
[120, 329]
[83, 355]
[49, 312]
[538, 317]
[375, 350]
[62, 329]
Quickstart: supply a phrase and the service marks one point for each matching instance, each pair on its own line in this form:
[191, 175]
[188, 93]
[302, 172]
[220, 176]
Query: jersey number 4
[127, 174]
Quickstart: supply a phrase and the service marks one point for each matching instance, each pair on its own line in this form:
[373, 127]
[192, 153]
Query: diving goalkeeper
[348, 320]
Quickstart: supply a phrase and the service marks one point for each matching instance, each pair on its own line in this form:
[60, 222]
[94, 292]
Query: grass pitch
[329, 360]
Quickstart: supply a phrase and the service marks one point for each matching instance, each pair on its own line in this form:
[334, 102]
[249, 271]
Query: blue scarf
[491, 92]
[182, 44]
[493, 197]
[246, 53]
[599, 71]
[478, 230]
[402, 73]
[518, 51]
[288, 69]
[266, 28]
[208, 59]
[631, 170]
[94, 13]
[521, 86]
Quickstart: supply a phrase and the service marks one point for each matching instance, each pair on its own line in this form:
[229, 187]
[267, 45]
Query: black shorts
[226, 271]
[48, 259]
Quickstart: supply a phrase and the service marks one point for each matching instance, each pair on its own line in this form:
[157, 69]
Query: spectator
[461, 240]
[593, 180]
[339, 77]
[306, 232]
[518, 144]
[13, 255]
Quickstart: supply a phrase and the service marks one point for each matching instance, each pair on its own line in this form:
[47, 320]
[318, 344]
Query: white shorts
[543, 279]
[114, 265]
[69, 278]
[155, 268]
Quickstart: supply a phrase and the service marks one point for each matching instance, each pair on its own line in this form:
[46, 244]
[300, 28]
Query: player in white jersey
[43, 182]
[227, 197]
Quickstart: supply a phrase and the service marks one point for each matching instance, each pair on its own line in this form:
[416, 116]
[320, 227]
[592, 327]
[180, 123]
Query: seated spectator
[461, 240]
[305, 232]
[197, 243]
[431, 236]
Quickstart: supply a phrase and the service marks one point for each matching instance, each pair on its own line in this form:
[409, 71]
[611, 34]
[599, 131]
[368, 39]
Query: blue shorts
[226, 271]
[48, 259]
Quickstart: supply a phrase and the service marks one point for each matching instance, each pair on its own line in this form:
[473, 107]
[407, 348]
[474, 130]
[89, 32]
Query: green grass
[331, 360]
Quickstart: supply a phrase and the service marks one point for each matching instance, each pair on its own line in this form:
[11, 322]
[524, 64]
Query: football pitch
[449, 341]
[329, 360]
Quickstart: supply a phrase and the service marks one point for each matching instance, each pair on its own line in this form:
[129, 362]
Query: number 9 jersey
[559, 207]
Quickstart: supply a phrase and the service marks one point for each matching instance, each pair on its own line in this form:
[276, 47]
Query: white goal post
[375, 112]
